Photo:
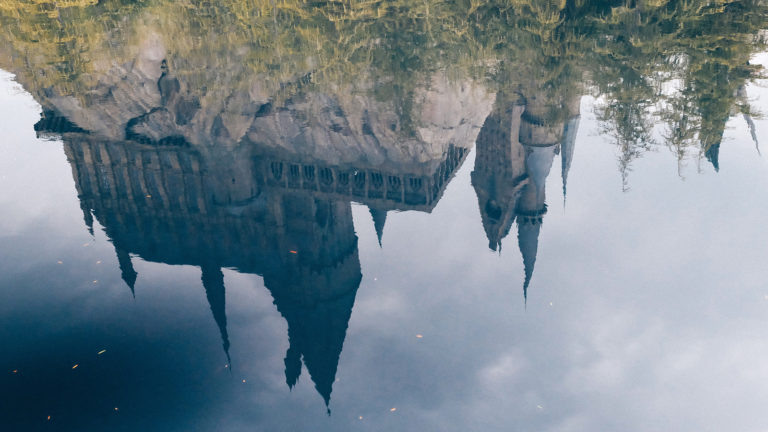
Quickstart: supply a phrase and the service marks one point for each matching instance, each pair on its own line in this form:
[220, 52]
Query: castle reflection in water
[218, 167]
[283, 213]
[201, 138]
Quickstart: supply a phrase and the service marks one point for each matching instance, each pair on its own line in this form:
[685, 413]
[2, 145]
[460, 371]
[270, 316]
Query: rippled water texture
[383, 216]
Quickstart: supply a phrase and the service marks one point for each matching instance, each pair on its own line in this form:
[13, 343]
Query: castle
[289, 220]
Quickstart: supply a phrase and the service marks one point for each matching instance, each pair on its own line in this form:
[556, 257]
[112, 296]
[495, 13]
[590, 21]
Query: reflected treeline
[674, 68]
[237, 134]
[684, 66]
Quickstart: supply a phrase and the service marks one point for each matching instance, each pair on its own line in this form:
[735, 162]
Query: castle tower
[213, 281]
[379, 220]
[542, 140]
[314, 282]
[531, 206]
[567, 149]
[127, 272]
[499, 173]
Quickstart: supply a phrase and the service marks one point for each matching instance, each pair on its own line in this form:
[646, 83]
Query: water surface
[292, 216]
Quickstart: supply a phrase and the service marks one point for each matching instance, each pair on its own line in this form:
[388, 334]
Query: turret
[127, 272]
[213, 281]
[379, 220]
[499, 172]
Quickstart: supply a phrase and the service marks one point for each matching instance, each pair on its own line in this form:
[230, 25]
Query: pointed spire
[741, 93]
[87, 216]
[752, 131]
[713, 156]
[292, 362]
[126, 269]
[316, 331]
[532, 207]
[213, 281]
[566, 153]
[324, 388]
[528, 239]
[379, 219]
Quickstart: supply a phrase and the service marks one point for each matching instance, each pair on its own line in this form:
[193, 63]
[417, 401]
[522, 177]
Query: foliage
[628, 52]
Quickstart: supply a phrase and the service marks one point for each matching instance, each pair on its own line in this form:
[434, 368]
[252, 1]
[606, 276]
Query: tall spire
[316, 298]
[379, 219]
[87, 216]
[741, 93]
[566, 152]
[752, 131]
[292, 361]
[213, 281]
[532, 206]
[528, 229]
[316, 331]
[126, 269]
[713, 155]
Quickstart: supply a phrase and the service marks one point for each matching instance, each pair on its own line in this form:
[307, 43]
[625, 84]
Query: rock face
[113, 95]
[357, 128]
[351, 127]
[389, 144]
[144, 93]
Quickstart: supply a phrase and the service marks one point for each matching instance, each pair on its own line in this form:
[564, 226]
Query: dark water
[383, 216]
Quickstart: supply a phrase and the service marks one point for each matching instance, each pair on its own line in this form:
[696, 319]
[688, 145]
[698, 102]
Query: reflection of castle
[173, 206]
[178, 173]
[218, 167]
[515, 151]
[250, 209]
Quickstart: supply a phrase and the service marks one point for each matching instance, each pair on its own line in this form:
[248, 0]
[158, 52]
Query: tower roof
[713, 156]
[213, 281]
[379, 220]
[126, 269]
[566, 150]
[528, 229]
